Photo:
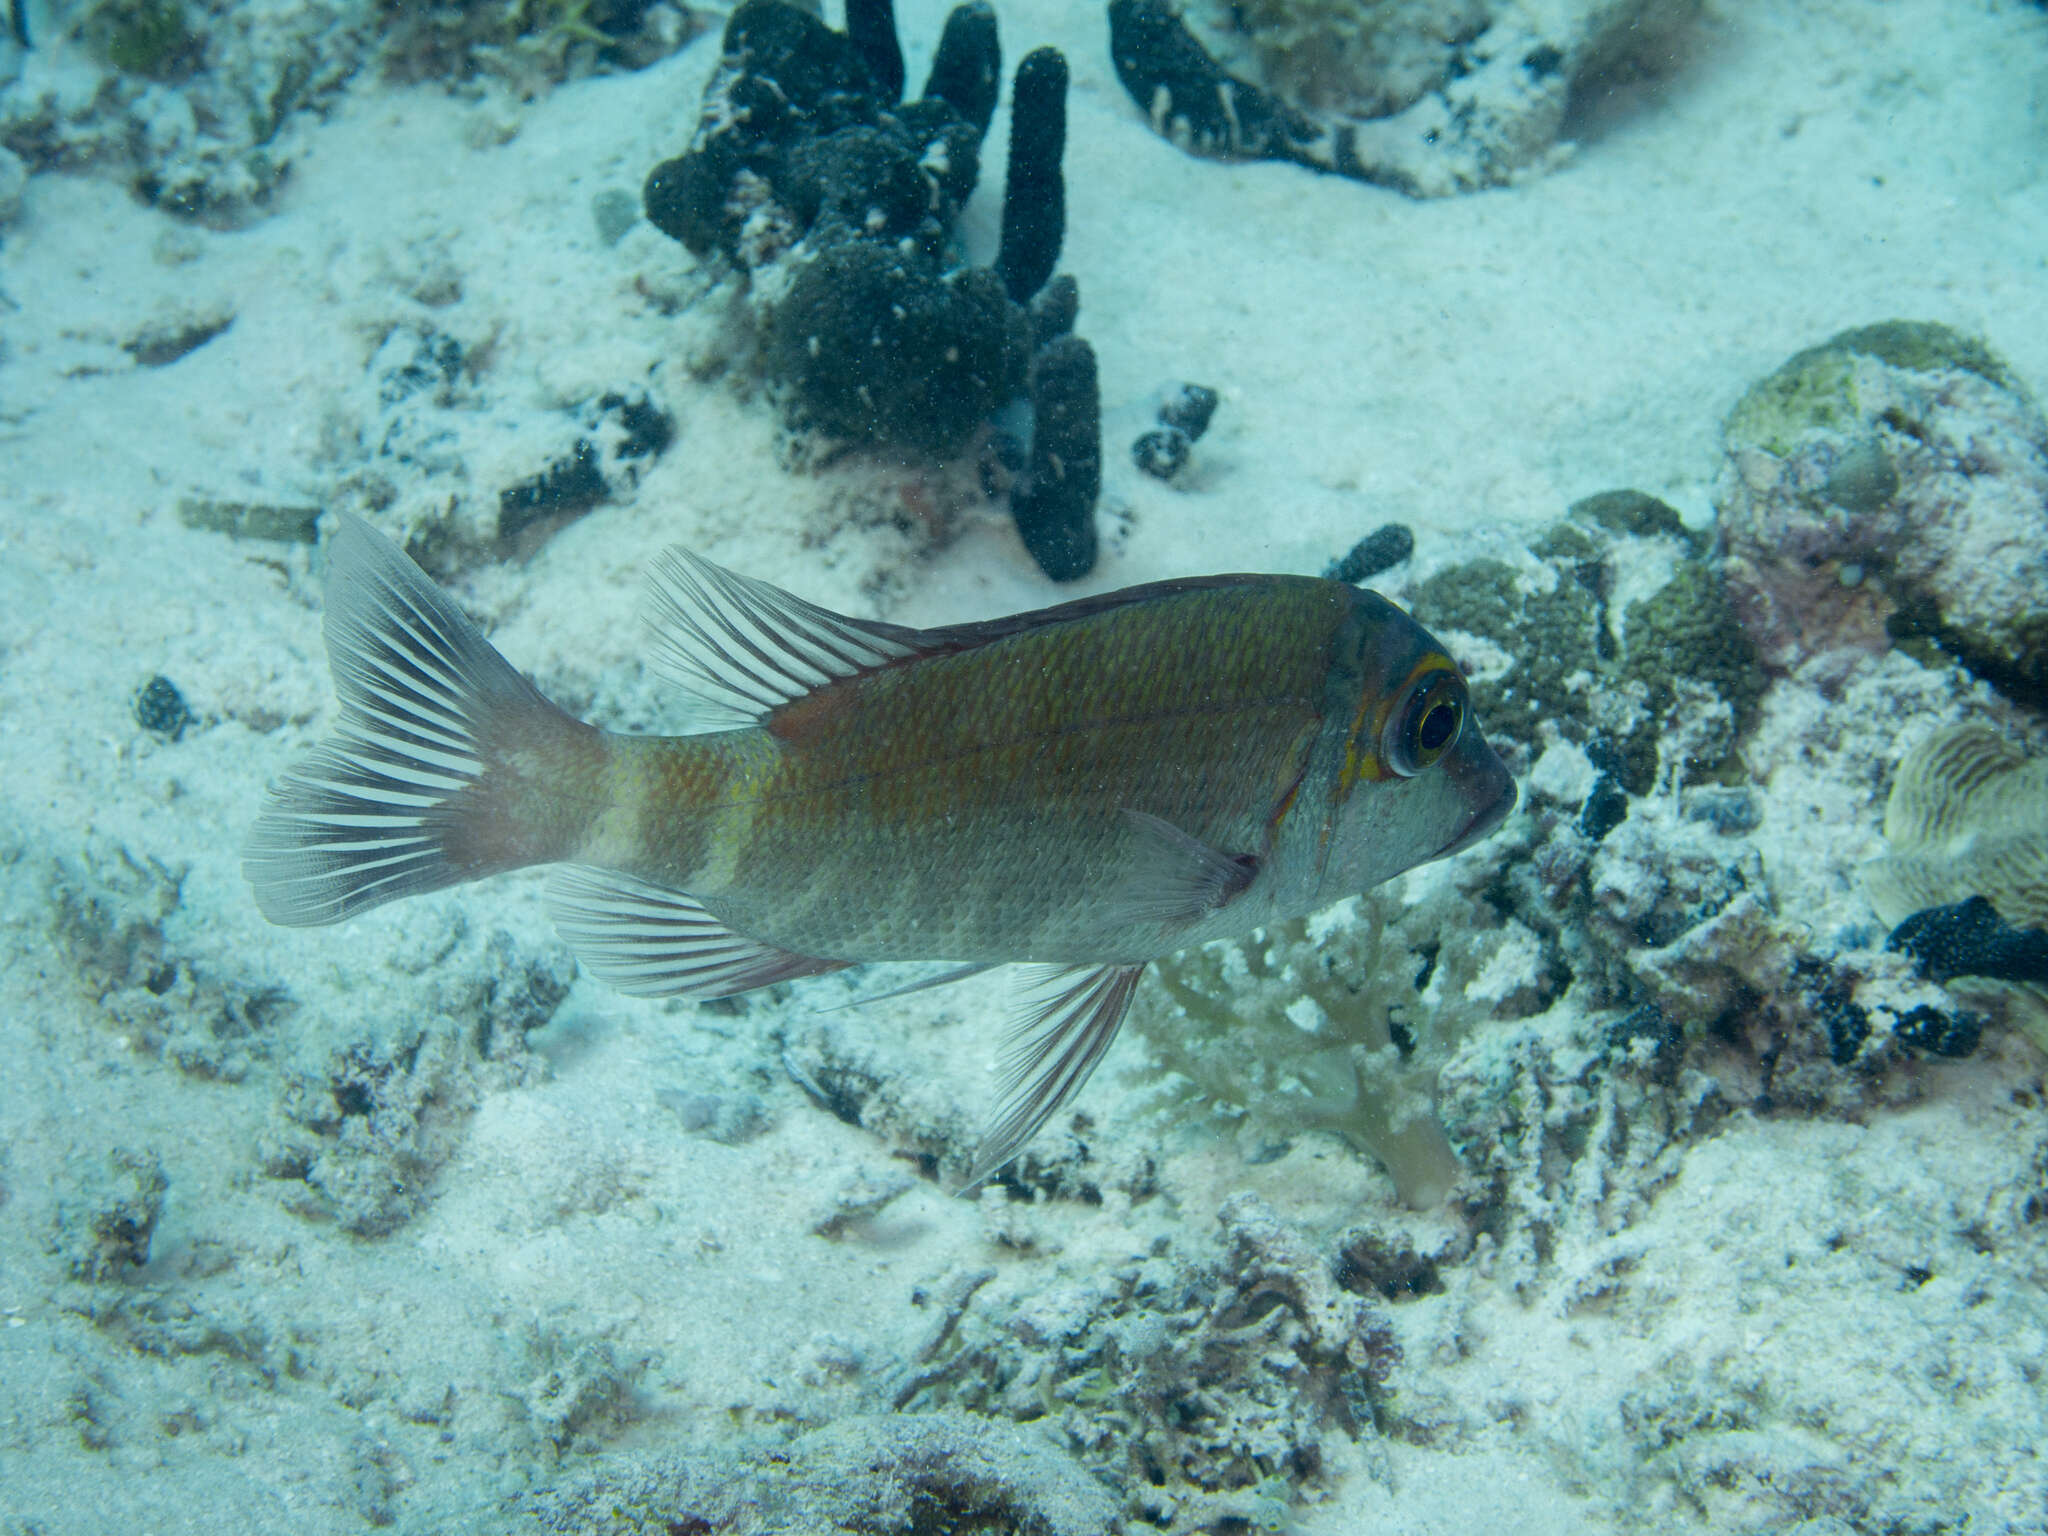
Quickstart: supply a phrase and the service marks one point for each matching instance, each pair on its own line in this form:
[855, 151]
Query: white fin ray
[742, 648]
[652, 942]
[945, 978]
[378, 810]
[1070, 1015]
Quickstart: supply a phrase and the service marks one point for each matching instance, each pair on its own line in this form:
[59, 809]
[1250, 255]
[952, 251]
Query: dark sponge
[1969, 938]
[879, 350]
[968, 66]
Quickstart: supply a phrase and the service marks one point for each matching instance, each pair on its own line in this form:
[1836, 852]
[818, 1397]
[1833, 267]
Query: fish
[1080, 789]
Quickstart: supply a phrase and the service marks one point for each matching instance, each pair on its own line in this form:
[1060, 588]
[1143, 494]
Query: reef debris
[1212, 1389]
[104, 1231]
[202, 107]
[836, 202]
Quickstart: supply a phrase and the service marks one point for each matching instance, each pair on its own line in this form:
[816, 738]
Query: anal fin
[653, 942]
[945, 978]
[1070, 1016]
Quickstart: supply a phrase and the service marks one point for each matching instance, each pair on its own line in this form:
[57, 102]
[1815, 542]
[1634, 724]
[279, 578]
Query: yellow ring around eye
[1426, 719]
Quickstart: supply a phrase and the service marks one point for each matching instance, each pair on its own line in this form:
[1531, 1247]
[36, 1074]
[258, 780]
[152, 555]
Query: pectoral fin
[654, 942]
[1177, 878]
[1069, 1017]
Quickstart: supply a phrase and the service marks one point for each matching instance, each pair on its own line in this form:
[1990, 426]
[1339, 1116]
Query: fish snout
[1483, 785]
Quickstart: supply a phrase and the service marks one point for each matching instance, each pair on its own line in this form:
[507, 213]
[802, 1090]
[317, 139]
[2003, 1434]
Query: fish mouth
[1483, 779]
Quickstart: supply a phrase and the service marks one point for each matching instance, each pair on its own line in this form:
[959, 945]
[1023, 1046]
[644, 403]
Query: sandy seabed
[592, 1229]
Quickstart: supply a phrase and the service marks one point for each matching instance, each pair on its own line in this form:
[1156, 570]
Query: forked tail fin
[446, 764]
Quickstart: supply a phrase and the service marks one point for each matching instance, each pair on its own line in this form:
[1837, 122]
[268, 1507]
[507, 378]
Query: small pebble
[1729, 811]
[615, 212]
[1189, 409]
[161, 709]
[1161, 453]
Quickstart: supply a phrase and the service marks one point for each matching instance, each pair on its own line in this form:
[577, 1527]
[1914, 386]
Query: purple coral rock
[1891, 485]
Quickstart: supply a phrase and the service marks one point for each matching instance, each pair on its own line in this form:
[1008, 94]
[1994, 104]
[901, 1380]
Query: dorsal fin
[742, 648]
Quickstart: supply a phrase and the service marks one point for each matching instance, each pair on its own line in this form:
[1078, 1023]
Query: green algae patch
[1815, 390]
[150, 38]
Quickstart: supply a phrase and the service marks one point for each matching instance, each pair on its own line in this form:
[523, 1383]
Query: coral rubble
[1212, 1389]
[201, 106]
[1427, 98]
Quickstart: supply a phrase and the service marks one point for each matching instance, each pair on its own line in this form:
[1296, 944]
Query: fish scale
[1031, 773]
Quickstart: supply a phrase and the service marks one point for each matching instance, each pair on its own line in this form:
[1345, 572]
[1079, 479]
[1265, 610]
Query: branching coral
[1340, 1023]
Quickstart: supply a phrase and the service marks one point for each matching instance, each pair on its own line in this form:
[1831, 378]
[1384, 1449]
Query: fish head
[1410, 776]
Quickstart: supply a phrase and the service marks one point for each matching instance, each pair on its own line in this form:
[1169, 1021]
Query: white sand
[1467, 366]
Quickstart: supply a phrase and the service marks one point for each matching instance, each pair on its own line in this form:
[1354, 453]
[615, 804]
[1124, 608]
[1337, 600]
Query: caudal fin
[437, 771]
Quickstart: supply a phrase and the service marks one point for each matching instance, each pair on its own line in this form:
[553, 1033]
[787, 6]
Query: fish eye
[1426, 723]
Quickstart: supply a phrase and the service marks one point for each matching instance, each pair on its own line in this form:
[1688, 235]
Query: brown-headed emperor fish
[1087, 787]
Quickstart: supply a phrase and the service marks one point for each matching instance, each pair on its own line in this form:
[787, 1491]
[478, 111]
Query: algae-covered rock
[1890, 486]
[1597, 633]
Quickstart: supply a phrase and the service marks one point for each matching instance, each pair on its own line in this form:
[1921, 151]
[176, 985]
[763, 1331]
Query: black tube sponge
[880, 350]
[969, 64]
[1035, 195]
[1055, 505]
[871, 28]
